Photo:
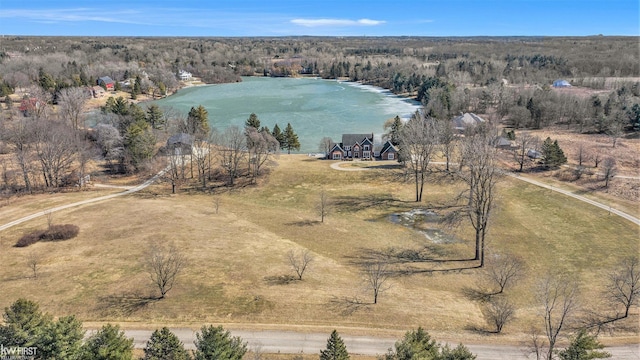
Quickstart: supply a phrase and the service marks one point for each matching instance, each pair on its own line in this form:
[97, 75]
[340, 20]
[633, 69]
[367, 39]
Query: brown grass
[233, 255]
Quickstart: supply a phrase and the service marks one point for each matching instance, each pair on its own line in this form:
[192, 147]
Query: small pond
[423, 221]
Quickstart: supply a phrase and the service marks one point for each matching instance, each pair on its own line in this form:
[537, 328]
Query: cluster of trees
[423, 137]
[53, 148]
[26, 328]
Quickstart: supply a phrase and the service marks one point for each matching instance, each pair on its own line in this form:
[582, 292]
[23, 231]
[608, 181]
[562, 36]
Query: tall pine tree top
[253, 121]
[336, 350]
[552, 154]
[291, 141]
[165, 345]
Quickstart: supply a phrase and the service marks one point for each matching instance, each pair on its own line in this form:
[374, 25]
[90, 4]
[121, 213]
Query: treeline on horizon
[374, 60]
[505, 78]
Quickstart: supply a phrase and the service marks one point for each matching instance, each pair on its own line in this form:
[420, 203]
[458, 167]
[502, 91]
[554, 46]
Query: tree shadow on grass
[429, 260]
[303, 223]
[125, 304]
[280, 279]
[347, 306]
[357, 203]
[475, 294]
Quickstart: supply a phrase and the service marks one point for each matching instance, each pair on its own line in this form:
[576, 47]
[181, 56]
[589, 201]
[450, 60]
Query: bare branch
[299, 261]
[376, 276]
[164, 264]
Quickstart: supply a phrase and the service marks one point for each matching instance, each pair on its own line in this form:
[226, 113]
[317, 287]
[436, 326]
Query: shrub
[54, 233]
[60, 232]
[29, 239]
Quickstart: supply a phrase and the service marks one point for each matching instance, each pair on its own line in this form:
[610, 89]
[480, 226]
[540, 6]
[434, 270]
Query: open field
[237, 272]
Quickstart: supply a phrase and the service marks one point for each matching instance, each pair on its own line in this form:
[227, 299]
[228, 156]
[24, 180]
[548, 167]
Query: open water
[315, 107]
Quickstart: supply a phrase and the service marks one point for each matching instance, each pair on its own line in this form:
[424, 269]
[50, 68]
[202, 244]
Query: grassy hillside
[236, 258]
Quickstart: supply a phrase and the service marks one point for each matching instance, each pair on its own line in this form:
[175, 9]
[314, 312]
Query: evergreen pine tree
[253, 121]
[552, 154]
[278, 135]
[198, 122]
[336, 350]
[155, 116]
[165, 345]
[394, 132]
[109, 343]
[291, 141]
[584, 347]
[23, 323]
[416, 345]
[214, 343]
[61, 339]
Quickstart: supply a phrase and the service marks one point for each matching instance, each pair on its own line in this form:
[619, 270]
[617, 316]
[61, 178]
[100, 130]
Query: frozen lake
[315, 108]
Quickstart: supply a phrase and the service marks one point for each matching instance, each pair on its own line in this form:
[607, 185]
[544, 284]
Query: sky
[240, 18]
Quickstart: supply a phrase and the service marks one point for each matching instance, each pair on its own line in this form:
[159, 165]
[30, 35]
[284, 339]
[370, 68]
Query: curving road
[130, 190]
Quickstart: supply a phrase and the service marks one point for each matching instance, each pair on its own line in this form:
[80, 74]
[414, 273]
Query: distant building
[561, 83]
[362, 147]
[180, 144]
[462, 122]
[97, 91]
[107, 82]
[184, 75]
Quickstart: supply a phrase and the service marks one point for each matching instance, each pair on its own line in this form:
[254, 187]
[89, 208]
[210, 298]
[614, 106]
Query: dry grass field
[237, 273]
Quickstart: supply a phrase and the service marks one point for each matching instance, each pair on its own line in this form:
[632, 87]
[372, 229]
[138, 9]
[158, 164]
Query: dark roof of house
[388, 145]
[180, 139]
[335, 147]
[350, 139]
[106, 80]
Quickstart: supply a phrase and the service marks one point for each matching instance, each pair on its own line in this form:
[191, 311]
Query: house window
[366, 154]
[366, 148]
[347, 147]
[336, 156]
[391, 156]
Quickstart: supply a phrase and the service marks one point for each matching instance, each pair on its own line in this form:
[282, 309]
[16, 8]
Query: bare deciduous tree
[34, 259]
[164, 264]
[325, 145]
[324, 205]
[72, 101]
[609, 170]
[299, 261]
[524, 142]
[261, 145]
[376, 277]
[481, 174]
[417, 143]
[21, 135]
[623, 286]
[502, 271]
[216, 203]
[49, 215]
[56, 150]
[232, 149]
[201, 151]
[446, 140]
[558, 297]
[498, 312]
[582, 155]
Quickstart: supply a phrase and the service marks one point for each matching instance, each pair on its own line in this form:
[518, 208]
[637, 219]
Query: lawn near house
[236, 258]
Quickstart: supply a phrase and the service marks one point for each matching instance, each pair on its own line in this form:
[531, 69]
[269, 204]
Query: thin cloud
[72, 15]
[336, 22]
